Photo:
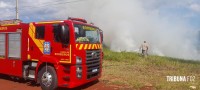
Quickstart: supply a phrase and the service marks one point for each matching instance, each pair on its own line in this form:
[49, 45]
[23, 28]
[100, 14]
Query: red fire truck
[61, 53]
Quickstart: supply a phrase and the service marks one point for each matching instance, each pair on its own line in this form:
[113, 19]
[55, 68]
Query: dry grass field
[130, 70]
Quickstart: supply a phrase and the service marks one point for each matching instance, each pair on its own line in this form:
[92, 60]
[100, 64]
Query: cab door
[14, 63]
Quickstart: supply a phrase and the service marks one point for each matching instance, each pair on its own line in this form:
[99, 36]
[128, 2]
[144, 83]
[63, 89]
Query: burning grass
[133, 71]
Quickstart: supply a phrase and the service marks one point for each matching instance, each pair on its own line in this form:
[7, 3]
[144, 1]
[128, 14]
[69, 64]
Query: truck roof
[74, 20]
[10, 22]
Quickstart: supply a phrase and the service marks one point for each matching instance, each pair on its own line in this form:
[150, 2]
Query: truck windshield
[86, 34]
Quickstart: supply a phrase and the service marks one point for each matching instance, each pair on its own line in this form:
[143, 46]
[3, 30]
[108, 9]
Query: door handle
[13, 63]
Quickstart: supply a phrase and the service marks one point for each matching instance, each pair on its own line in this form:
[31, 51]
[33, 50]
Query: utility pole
[17, 12]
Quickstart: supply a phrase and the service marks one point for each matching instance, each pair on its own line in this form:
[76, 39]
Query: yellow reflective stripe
[9, 24]
[96, 46]
[28, 56]
[76, 45]
[39, 43]
[63, 61]
[49, 22]
[90, 45]
[93, 46]
[70, 54]
[34, 60]
[86, 46]
[81, 46]
[99, 46]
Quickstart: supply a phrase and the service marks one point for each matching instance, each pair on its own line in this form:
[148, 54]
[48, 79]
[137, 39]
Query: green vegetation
[131, 70]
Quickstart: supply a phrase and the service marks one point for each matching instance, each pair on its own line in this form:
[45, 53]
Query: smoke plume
[127, 23]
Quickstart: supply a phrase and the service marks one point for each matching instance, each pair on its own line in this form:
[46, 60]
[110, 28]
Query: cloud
[3, 4]
[6, 10]
[195, 7]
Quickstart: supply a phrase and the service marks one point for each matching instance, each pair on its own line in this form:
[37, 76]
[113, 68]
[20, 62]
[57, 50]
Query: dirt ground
[6, 83]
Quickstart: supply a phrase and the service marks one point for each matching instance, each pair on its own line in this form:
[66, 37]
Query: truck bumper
[68, 78]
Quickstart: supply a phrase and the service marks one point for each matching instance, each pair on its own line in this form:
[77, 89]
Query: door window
[40, 32]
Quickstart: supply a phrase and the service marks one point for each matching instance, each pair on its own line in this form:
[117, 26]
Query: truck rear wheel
[48, 78]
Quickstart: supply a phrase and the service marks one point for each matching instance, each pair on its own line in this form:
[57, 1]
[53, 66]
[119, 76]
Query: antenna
[17, 12]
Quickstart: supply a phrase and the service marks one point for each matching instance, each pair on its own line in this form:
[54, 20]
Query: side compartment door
[14, 54]
[2, 52]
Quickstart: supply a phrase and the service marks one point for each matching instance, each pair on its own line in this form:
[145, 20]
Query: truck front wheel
[48, 78]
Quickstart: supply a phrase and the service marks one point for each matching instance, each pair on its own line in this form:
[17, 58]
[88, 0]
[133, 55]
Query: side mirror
[101, 34]
[64, 34]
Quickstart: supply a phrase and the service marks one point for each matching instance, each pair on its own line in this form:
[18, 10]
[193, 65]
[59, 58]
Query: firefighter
[144, 46]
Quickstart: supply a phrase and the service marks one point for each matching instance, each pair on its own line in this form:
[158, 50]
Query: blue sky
[186, 14]
[189, 10]
[32, 11]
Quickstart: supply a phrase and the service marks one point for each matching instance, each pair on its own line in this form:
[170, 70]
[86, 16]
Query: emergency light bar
[78, 19]
[10, 22]
[49, 22]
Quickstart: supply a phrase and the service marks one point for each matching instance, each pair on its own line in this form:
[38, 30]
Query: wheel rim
[46, 79]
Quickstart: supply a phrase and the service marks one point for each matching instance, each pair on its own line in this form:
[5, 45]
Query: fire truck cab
[61, 53]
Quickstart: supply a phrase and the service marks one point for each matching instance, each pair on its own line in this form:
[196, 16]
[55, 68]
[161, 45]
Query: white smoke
[127, 23]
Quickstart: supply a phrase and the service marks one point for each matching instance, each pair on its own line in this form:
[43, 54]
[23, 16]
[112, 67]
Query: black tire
[50, 72]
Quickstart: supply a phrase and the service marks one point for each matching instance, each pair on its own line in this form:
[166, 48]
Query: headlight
[78, 60]
[79, 72]
[79, 75]
[79, 69]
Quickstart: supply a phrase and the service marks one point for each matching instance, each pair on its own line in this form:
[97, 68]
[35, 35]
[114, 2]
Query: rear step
[31, 74]
[31, 77]
[29, 71]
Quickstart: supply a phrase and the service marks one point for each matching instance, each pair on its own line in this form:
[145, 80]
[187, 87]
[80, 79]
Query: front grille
[93, 63]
